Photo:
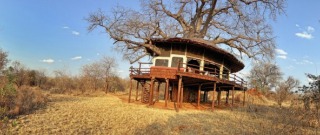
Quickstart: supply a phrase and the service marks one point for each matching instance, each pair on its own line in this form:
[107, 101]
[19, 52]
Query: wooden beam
[213, 94]
[199, 96]
[130, 91]
[151, 91]
[137, 92]
[166, 93]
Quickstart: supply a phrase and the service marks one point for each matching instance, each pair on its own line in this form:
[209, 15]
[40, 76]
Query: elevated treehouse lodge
[190, 68]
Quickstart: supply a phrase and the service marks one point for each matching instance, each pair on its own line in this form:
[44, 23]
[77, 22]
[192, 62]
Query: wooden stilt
[130, 91]
[166, 93]
[151, 92]
[181, 96]
[213, 94]
[158, 91]
[219, 97]
[204, 96]
[227, 97]
[179, 90]
[142, 90]
[232, 96]
[199, 96]
[244, 97]
[137, 92]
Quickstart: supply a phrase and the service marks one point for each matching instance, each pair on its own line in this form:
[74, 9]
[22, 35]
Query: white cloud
[297, 25]
[281, 52]
[310, 29]
[307, 33]
[304, 35]
[47, 61]
[282, 56]
[75, 33]
[76, 58]
[120, 71]
[98, 54]
[307, 62]
[65, 27]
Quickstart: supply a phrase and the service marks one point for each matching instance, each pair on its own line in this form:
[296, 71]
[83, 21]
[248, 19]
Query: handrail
[192, 68]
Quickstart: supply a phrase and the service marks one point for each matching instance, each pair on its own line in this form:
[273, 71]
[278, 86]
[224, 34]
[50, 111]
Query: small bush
[14, 102]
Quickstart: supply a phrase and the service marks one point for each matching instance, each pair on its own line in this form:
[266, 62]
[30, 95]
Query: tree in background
[20, 73]
[311, 93]
[264, 76]
[100, 74]
[3, 59]
[239, 25]
[285, 89]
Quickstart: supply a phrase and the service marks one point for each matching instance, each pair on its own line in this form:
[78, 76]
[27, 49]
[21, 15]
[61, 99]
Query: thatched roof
[236, 65]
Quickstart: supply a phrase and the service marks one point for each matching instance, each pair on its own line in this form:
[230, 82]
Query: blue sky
[52, 34]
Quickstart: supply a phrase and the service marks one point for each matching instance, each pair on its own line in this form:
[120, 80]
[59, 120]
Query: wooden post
[213, 94]
[227, 96]
[139, 71]
[199, 96]
[137, 92]
[204, 96]
[151, 92]
[158, 91]
[166, 92]
[219, 97]
[181, 96]
[232, 96]
[142, 90]
[130, 91]
[244, 97]
[179, 90]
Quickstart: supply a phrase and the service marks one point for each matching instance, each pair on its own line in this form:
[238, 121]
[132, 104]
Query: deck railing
[141, 70]
[215, 72]
[190, 68]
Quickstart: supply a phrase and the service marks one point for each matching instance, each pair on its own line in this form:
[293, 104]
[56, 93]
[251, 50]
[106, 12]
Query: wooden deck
[183, 81]
[190, 78]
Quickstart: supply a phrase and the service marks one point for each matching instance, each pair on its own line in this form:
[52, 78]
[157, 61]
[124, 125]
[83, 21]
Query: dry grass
[107, 114]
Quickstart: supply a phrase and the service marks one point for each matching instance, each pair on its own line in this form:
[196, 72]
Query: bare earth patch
[107, 114]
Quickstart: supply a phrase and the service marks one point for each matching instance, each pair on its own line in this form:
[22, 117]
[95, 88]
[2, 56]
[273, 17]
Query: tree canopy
[240, 25]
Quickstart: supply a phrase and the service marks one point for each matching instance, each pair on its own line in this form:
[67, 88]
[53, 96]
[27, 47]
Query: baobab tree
[239, 25]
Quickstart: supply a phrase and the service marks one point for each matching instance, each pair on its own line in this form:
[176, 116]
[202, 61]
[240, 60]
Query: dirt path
[107, 114]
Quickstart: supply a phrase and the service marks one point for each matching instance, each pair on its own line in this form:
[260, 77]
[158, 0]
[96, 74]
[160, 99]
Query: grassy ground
[108, 114]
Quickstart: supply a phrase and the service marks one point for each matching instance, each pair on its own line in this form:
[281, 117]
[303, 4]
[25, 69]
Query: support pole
[137, 90]
[166, 93]
[199, 96]
[181, 96]
[158, 91]
[213, 94]
[130, 91]
[204, 96]
[232, 96]
[227, 96]
[179, 90]
[151, 92]
[244, 97]
[219, 97]
[142, 90]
